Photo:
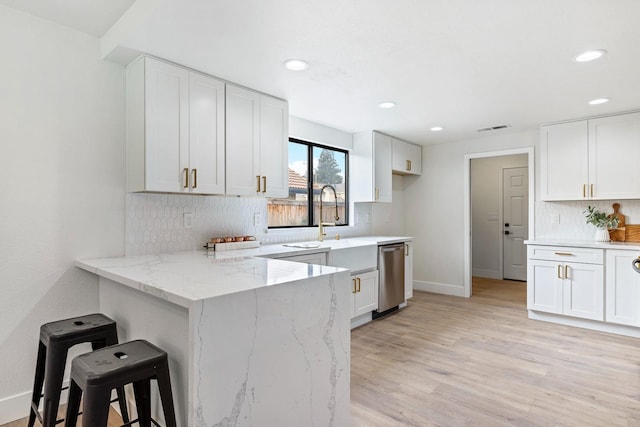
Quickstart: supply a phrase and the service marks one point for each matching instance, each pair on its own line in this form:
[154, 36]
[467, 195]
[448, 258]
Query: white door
[516, 219]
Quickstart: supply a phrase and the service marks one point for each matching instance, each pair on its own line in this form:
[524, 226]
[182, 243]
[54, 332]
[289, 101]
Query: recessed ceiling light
[296, 64]
[437, 129]
[590, 55]
[387, 104]
[598, 101]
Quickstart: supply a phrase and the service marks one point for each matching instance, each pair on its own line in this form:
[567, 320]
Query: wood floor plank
[480, 361]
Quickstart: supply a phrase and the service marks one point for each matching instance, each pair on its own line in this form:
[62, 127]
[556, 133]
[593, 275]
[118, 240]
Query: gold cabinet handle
[584, 191]
[264, 184]
[194, 173]
[560, 272]
[354, 286]
[563, 253]
[186, 177]
[408, 167]
[591, 190]
[258, 183]
[406, 249]
[377, 193]
[358, 279]
[566, 271]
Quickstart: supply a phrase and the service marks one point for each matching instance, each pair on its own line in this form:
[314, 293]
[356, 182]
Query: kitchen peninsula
[251, 341]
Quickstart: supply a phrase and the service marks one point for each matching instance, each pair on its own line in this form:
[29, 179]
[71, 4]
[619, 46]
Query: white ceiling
[460, 64]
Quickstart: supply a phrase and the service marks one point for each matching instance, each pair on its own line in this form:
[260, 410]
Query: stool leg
[95, 408]
[38, 382]
[142, 391]
[54, 373]
[164, 385]
[73, 405]
[122, 401]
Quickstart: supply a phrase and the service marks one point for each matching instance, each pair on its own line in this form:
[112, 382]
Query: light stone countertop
[635, 246]
[187, 277]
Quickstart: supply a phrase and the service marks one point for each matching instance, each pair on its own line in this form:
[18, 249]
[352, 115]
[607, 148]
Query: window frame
[310, 200]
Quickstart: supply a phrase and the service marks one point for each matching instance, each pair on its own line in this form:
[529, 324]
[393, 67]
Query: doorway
[488, 251]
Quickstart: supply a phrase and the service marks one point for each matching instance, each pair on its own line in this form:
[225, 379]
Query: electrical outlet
[187, 220]
[556, 218]
[257, 219]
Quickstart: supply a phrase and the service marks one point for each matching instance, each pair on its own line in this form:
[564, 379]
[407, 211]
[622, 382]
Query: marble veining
[328, 340]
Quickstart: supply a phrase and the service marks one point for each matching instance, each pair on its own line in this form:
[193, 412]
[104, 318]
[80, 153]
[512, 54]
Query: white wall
[434, 209]
[387, 219]
[61, 185]
[486, 200]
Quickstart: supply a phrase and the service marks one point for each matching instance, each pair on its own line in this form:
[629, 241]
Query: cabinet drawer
[566, 254]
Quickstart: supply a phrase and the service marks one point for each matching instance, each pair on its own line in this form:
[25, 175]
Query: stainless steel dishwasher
[391, 270]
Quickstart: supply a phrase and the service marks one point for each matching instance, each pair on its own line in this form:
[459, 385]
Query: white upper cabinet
[371, 167]
[406, 157]
[614, 152]
[175, 129]
[257, 144]
[591, 159]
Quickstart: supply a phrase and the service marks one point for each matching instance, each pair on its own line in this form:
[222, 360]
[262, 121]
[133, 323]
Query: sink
[303, 245]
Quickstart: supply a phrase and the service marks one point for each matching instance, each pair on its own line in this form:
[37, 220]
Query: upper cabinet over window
[406, 157]
[257, 137]
[591, 159]
[175, 129]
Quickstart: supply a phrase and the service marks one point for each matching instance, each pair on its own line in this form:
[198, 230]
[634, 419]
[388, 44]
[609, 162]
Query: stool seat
[100, 371]
[56, 338]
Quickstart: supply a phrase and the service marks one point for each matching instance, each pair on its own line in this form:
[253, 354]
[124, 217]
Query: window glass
[311, 167]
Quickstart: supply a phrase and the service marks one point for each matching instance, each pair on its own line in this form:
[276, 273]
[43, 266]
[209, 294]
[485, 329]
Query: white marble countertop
[586, 244]
[185, 277]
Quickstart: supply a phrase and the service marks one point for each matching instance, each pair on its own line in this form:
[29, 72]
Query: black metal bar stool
[56, 338]
[99, 372]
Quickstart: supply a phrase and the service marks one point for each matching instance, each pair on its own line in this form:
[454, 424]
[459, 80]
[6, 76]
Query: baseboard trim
[487, 274]
[594, 325]
[13, 408]
[439, 288]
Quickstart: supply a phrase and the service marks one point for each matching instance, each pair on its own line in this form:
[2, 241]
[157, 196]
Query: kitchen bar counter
[251, 341]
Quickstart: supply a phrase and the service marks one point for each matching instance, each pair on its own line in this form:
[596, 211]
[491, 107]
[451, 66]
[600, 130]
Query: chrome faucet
[321, 224]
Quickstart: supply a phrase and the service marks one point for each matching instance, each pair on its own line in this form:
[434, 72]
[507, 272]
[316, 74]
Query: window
[325, 166]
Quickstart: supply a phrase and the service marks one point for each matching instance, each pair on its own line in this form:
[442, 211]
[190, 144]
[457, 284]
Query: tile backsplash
[155, 223]
[572, 223]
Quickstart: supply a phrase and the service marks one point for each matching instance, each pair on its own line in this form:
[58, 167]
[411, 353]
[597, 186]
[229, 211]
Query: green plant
[600, 219]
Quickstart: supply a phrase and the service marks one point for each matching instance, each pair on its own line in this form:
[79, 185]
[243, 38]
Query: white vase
[602, 235]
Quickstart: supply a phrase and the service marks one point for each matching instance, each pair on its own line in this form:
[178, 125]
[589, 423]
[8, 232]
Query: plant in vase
[602, 222]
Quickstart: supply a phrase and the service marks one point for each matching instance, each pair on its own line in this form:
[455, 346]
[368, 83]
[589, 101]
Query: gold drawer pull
[186, 178]
[563, 253]
[264, 184]
[258, 182]
[584, 191]
[559, 271]
[566, 271]
[358, 284]
[354, 286]
[194, 172]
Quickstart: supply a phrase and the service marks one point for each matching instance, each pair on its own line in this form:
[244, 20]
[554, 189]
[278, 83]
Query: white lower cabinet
[623, 288]
[365, 293]
[408, 270]
[564, 287]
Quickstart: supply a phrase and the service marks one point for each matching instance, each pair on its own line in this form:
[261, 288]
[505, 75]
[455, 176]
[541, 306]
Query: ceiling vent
[494, 128]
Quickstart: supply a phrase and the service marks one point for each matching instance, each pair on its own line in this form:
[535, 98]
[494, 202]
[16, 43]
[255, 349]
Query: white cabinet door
[408, 270]
[372, 167]
[243, 141]
[206, 135]
[544, 286]
[274, 143]
[622, 289]
[564, 161]
[406, 157]
[365, 297]
[166, 126]
[583, 290]
[614, 151]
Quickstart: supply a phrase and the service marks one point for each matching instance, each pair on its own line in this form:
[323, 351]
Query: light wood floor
[448, 361]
